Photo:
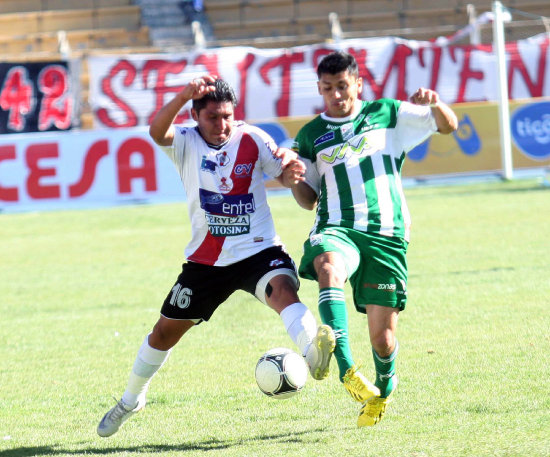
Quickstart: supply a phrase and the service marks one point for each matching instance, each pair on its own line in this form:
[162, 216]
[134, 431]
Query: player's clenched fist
[424, 97]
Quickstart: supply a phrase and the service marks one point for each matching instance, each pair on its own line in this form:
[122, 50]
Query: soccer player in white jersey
[233, 245]
[353, 152]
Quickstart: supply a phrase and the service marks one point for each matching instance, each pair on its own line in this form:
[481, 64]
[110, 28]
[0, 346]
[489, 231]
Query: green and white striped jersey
[354, 164]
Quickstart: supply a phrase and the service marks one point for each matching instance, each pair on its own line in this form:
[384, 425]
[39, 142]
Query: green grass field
[79, 290]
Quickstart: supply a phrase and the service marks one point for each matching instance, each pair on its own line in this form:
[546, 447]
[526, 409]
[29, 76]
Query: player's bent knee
[383, 343]
[275, 284]
[331, 274]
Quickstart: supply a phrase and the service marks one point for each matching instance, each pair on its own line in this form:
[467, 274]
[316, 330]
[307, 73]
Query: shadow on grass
[207, 445]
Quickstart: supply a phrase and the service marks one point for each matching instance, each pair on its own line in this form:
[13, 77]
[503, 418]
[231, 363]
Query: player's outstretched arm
[293, 167]
[444, 116]
[160, 129]
[293, 177]
[304, 195]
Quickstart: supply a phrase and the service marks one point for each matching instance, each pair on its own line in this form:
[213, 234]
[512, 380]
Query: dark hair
[337, 62]
[223, 93]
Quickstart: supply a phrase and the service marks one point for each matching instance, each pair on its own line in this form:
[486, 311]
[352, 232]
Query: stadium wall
[82, 169]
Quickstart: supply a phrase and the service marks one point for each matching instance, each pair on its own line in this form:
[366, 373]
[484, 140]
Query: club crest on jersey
[347, 131]
[316, 239]
[222, 158]
[275, 263]
[324, 138]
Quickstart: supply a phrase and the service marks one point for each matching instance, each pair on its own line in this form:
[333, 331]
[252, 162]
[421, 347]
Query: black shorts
[200, 289]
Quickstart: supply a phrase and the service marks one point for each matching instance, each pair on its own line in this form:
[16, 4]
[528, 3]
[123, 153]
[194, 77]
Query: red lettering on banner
[56, 106]
[242, 67]
[8, 194]
[127, 172]
[436, 64]
[35, 153]
[17, 97]
[517, 64]
[285, 61]
[467, 73]
[398, 61]
[97, 151]
[210, 62]
[162, 69]
[130, 71]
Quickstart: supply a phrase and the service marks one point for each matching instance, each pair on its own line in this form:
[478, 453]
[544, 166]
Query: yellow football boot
[359, 387]
[372, 411]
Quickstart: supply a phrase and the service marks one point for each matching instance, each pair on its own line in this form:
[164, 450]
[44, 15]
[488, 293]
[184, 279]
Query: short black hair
[223, 93]
[337, 62]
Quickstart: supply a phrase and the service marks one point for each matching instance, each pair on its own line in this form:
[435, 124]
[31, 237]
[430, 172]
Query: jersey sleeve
[271, 165]
[312, 178]
[304, 149]
[415, 123]
[175, 151]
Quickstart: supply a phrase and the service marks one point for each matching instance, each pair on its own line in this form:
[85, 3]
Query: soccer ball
[281, 373]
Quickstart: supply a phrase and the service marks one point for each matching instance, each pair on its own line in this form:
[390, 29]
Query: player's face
[339, 91]
[215, 122]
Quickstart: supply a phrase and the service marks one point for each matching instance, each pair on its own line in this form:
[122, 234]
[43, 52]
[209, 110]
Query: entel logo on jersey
[226, 205]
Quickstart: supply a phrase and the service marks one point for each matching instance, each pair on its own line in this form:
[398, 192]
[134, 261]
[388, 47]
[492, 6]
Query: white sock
[300, 325]
[147, 363]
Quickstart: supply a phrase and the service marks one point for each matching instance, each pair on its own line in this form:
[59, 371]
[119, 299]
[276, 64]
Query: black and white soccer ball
[281, 373]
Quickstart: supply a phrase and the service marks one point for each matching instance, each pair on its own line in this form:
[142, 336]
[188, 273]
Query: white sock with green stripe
[386, 380]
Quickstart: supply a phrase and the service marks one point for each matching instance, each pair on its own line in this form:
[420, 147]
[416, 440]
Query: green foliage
[79, 290]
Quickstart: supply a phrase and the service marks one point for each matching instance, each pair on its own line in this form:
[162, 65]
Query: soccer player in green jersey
[354, 152]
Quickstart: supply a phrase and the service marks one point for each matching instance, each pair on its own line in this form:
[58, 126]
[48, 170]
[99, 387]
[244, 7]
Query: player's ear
[319, 88]
[194, 115]
[359, 84]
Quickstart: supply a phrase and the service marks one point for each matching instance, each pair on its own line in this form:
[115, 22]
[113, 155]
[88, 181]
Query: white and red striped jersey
[226, 196]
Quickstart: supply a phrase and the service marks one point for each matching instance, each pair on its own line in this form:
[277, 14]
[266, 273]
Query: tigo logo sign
[531, 130]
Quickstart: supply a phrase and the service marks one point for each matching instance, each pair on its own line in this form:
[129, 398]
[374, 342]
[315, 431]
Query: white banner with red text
[84, 169]
[127, 91]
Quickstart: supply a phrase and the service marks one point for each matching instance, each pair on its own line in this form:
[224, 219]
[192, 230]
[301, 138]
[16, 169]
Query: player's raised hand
[444, 116]
[424, 96]
[199, 87]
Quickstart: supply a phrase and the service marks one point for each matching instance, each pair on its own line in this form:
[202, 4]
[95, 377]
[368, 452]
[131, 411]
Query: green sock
[332, 308]
[386, 380]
